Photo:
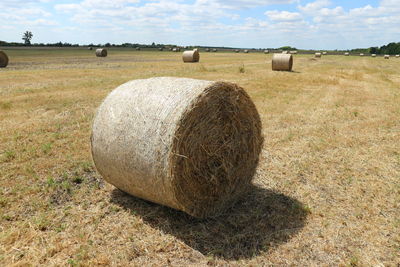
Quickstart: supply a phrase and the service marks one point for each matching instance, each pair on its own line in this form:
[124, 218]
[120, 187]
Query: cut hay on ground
[191, 56]
[101, 52]
[282, 62]
[3, 59]
[192, 145]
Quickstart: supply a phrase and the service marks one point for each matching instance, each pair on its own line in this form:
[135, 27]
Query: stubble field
[326, 193]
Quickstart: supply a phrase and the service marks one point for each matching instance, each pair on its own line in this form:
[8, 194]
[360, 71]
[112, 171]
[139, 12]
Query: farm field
[326, 192]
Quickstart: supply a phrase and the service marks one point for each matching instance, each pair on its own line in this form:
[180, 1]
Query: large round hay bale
[3, 59]
[191, 56]
[318, 55]
[282, 62]
[347, 54]
[101, 52]
[386, 56]
[188, 144]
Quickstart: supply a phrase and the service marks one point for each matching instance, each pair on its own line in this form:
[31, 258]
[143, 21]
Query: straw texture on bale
[192, 145]
[282, 62]
[101, 52]
[3, 59]
[191, 56]
[387, 56]
[318, 55]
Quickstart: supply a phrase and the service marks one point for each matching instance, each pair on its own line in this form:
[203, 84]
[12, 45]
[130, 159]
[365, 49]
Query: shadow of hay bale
[259, 221]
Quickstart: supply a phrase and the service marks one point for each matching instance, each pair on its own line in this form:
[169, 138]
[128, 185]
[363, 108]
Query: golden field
[326, 193]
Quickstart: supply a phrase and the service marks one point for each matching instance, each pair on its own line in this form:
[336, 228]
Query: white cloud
[283, 15]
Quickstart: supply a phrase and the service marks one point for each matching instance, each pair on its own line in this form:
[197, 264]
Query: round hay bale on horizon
[386, 56]
[101, 52]
[361, 54]
[294, 52]
[160, 49]
[347, 54]
[285, 52]
[215, 50]
[282, 62]
[397, 56]
[373, 55]
[90, 48]
[191, 56]
[237, 50]
[266, 52]
[138, 48]
[324, 53]
[246, 51]
[318, 55]
[192, 145]
[3, 59]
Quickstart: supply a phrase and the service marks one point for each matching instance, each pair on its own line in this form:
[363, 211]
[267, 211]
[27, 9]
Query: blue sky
[317, 24]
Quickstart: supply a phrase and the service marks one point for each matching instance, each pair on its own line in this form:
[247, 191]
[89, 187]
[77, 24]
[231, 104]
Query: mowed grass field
[326, 193]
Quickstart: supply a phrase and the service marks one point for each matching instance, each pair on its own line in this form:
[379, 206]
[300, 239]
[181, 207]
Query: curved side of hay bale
[191, 56]
[207, 49]
[161, 139]
[101, 52]
[282, 62]
[318, 55]
[3, 59]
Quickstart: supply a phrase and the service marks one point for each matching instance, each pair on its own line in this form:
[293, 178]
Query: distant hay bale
[397, 56]
[192, 145]
[318, 55]
[293, 52]
[282, 62]
[138, 48]
[387, 56]
[175, 49]
[191, 56]
[284, 52]
[266, 52]
[246, 51]
[214, 50]
[347, 54]
[373, 55]
[361, 54]
[207, 49]
[3, 59]
[324, 53]
[160, 49]
[90, 48]
[101, 52]
[237, 50]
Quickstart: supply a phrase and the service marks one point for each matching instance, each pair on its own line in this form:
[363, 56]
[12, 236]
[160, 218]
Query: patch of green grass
[9, 155]
[5, 105]
[46, 148]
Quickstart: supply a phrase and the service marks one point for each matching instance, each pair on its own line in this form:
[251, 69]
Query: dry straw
[318, 55]
[3, 59]
[191, 56]
[101, 52]
[188, 144]
[282, 62]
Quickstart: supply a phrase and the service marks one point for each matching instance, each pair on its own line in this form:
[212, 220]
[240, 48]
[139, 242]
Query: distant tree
[107, 45]
[27, 37]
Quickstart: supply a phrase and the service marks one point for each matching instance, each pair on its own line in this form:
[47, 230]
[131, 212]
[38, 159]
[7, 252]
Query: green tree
[27, 37]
